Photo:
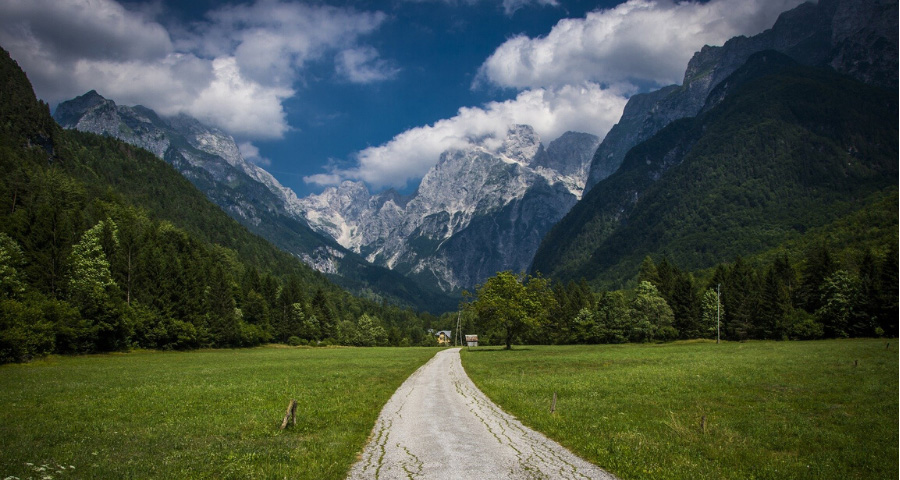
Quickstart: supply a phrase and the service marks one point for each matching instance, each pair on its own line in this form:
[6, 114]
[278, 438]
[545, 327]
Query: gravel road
[438, 425]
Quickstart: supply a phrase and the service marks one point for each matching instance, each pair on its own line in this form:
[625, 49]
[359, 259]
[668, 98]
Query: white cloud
[552, 112]
[362, 65]
[271, 40]
[576, 78]
[233, 70]
[640, 40]
[250, 153]
[241, 105]
[510, 6]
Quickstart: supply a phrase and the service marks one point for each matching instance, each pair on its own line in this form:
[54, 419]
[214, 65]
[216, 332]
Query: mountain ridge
[857, 37]
[211, 160]
[789, 148]
[477, 196]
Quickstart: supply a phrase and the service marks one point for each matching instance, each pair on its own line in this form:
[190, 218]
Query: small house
[444, 337]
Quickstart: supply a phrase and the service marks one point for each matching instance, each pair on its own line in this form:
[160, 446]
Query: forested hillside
[105, 247]
[787, 150]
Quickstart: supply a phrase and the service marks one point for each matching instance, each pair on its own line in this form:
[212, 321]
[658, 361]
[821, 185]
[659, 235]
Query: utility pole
[718, 309]
[458, 339]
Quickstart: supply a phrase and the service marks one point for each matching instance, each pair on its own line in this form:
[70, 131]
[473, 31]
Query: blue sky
[319, 92]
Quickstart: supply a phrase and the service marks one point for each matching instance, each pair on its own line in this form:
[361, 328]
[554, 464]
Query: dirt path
[438, 425]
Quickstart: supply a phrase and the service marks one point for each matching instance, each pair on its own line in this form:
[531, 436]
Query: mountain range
[476, 212]
[212, 161]
[579, 207]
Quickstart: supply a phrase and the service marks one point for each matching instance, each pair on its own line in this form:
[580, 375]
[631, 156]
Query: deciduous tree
[510, 304]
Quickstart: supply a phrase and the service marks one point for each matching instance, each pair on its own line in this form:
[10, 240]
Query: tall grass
[211, 414]
[778, 410]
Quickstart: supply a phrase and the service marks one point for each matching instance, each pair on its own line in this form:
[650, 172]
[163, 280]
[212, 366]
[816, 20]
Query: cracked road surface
[438, 425]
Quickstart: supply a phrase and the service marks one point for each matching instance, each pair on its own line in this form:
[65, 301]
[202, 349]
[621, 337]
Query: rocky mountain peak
[477, 211]
[69, 112]
[521, 144]
[570, 154]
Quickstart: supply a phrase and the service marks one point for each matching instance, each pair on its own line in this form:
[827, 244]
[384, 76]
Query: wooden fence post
[290, 415]
[553, 405]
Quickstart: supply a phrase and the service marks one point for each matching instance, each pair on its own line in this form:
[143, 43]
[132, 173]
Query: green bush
[24, 331]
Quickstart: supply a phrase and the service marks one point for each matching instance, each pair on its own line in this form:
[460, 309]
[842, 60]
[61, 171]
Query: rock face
[855, 37]
[477, 212]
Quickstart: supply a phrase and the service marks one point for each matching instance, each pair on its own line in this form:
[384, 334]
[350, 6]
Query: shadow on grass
[496, 349]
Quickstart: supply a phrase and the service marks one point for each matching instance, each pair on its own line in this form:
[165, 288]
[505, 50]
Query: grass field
[211, 414]
[773, 410]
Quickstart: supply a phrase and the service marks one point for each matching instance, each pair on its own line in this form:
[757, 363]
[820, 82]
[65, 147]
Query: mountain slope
[211, 160]
[478, 211]
[791, 148]
[104, 246]
[856, 37]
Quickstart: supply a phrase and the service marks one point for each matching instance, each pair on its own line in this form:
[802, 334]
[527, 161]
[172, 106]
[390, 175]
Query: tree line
[129, 281]
[816, 297]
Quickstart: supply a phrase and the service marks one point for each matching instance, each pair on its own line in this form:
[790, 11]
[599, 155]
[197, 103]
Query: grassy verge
[211, 414]
[778, 410]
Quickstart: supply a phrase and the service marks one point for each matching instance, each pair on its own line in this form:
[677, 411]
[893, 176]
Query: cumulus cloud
[637, 41]
[251, 153]
[271, 40]
[551, 111]
[577, 77]
[233, 70]
[362, 65]
[241, 105]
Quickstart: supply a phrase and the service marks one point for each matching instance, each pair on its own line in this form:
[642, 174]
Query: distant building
[472, 340]
[444, 337]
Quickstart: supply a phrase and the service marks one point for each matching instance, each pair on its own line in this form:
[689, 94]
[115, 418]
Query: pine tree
[740, 297]
[220, 309]
[775, 306]
[648, 271]
[819, 266]
[323, 310]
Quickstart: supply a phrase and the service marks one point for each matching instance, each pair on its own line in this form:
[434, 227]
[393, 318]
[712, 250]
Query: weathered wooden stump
[290, 415]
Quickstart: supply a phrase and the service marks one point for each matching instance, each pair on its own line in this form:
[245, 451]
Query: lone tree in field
[510, 304]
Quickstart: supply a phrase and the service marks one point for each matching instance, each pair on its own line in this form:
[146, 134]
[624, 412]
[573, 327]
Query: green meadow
[208, 414]
[690, 410]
